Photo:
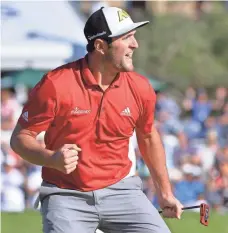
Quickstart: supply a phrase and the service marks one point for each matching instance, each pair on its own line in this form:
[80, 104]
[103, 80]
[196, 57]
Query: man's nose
[134, 43]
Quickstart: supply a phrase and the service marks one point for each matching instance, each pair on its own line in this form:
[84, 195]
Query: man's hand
[171, 207]
[65, 159]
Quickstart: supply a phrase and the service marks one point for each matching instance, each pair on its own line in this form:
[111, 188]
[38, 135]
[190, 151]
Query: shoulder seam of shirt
[62, 68]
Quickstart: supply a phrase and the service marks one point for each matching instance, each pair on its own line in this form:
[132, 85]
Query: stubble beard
[123, 65]
[127, 64]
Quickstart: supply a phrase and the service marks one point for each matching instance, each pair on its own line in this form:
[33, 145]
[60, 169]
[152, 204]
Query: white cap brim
[129, 28]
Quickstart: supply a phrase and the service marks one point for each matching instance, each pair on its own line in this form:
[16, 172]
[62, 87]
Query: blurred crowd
[194, 131]
[20, 181]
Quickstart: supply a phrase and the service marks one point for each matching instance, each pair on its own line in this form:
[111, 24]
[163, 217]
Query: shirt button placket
[102, 107]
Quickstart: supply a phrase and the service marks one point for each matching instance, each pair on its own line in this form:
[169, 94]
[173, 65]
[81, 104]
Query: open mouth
[129, 55]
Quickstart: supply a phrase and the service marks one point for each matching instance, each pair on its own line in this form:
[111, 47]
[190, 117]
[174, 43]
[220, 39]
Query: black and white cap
[109, 22]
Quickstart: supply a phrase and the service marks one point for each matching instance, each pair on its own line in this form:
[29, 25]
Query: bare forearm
[30, 150]
[153, 154]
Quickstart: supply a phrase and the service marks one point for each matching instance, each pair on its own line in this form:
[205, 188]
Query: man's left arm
[151, 148]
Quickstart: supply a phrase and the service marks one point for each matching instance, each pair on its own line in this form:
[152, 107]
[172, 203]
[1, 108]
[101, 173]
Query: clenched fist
[65, 159]
[171, 207]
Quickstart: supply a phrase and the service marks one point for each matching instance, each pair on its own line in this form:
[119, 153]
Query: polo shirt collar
[89, 78]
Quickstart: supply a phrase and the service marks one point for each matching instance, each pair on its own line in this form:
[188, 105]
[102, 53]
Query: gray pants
[121, 207]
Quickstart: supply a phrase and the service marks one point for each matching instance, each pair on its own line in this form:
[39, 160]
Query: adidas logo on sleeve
[25, 116]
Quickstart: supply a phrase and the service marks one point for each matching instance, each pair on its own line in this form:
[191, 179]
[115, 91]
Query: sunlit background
[184, 54]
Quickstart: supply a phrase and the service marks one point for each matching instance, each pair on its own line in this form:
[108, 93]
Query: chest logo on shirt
[78, 111]
[126, 112]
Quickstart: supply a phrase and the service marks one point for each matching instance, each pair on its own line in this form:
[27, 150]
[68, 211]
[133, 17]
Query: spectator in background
[32, 186]
[191, 189]
[189, 97]
[213, 193]
[8, 152]
[147, 181]
[212, 124]
[184, 154]
[222, 154]
[217, 181]
[201, 108]
[207, 151]
[10, 110]
[220, 100]
[222, 179]
[12, 183]
[7, 110]
[223, 122]
[172, 134]
[168, 104]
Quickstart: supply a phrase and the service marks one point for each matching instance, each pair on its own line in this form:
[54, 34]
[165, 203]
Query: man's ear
[100, 46]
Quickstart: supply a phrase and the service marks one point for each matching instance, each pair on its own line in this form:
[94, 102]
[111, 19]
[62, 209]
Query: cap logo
[97, 35]
[122, 15]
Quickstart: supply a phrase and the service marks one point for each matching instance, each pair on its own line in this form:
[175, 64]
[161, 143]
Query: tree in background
[184, 51]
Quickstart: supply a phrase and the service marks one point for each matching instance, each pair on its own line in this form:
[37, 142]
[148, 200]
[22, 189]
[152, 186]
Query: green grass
[189, 223]
[30, 222]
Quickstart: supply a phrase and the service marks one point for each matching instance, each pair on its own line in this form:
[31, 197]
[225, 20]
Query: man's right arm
[24, 143]
[37, 115]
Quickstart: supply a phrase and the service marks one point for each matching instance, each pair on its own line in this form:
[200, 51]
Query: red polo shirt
[70, 106]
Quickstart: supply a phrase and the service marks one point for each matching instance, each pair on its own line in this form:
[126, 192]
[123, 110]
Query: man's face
[120, 52]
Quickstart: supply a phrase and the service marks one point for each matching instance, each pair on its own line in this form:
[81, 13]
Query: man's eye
[126, 37]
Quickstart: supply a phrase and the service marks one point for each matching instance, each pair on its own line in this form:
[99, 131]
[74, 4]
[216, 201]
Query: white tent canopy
[40, 35]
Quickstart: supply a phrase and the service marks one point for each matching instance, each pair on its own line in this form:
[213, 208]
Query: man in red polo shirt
[89, 109]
